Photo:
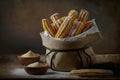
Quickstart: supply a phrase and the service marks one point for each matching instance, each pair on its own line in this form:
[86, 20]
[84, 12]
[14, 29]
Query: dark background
[20, 23]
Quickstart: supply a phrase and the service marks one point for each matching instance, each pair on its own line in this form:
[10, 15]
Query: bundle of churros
[67, 26]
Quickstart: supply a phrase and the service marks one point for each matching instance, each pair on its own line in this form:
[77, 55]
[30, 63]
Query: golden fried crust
[54, 19]
[87, 26]
[54, 27]
[83, 15]
[73, 13]
[47, 27]
[66, 24]
[80, 15]
[82, 18]
[79, 29]
[62, 29]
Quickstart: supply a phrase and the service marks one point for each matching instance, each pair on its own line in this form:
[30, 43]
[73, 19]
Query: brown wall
[20, 22]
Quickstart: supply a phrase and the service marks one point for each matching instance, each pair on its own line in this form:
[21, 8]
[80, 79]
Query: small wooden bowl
[28, 60]
[36, 70]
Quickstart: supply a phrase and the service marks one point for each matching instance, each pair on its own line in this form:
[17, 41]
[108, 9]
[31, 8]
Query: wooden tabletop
[11, 69]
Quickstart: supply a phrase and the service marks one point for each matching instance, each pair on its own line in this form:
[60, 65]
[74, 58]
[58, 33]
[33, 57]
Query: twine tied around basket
[78, 51]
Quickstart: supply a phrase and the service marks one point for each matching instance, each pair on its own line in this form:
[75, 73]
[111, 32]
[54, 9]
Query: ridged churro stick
[60, 20]
[80, 15]
[79, 28]
[83, 17]
[54, 27]
[63, 28]
[73, 14]
[66, 25]
[54, 19]
[57, 23]
[48, 28]
[74, 28]
[87, 26]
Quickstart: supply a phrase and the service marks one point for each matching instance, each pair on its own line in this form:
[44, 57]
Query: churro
[48, 28]
[66, 24]
[87, 26]
[54, 19]
[78, 29]
[83, 16]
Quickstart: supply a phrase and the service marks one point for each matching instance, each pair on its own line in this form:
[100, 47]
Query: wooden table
[11, 69]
